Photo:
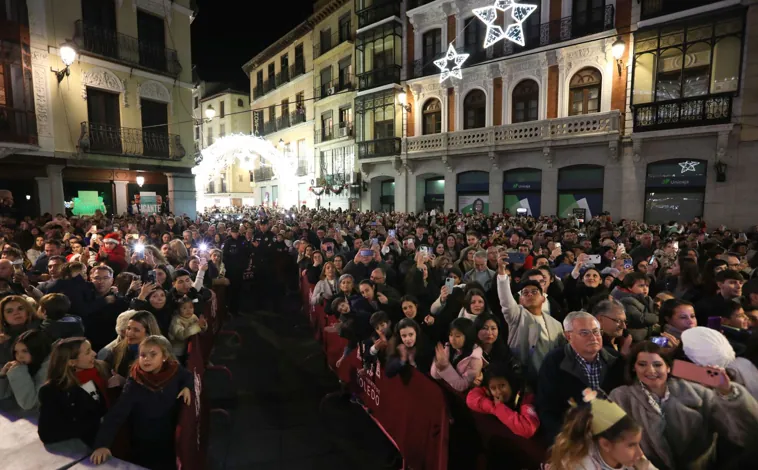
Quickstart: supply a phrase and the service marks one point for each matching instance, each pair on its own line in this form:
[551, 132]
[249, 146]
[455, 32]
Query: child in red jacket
[499, 396]
[113, 253]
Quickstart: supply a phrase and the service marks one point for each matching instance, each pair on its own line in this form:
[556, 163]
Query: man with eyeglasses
[567, 371]
[612, 318]
[532, 334]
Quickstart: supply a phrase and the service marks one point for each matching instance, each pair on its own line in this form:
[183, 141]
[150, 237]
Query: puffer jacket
[640, 313]
[462, 376]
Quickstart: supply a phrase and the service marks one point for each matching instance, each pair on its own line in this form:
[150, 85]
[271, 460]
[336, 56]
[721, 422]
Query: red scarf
[86, 375]
[154, 381]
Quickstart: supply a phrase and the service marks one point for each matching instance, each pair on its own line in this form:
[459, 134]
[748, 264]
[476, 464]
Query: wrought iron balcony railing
[377, 12]
[283, 76]
[297, 116]
[379, 77]
[269, 127]
[263, 174]
[258, 91]
[379, 147]
[683, 112]
[127, 142]
[337, 131]
[283, 121]
[96, 40]
[334, 86]
[552, 32]
[327, 44]
[18, 126]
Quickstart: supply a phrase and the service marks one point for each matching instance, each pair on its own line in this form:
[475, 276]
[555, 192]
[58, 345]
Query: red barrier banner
[193, 426]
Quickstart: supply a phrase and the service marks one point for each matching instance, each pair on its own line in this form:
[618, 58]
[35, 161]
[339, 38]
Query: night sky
[228, 33]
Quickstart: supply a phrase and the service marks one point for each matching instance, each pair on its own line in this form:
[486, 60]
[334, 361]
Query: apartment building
[98, 94]
[230, 109]
[334, 89]
[633, 107]
[281, 83]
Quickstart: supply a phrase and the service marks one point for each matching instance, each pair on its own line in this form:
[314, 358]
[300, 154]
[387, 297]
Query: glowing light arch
[246, 150]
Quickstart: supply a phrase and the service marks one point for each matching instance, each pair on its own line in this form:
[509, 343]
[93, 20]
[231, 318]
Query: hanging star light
[688, 166]
[515, 31]
[451, 56]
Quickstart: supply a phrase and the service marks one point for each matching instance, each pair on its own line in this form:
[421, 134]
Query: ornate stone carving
[40, 101]
[365, 169]
[448, 162]
[397, 164]
[613, 150]
[153, 90]
[637, 150]
[494, 160]
[549, 156]
[721, 145]
[126, 93]
[103, 79]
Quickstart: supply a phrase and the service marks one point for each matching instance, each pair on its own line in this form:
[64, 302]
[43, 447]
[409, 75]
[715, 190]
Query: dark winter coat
[68, 414]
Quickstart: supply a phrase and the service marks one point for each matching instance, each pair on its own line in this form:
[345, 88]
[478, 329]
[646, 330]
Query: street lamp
[210, 113]
[140, 181]
[618, 48]
[68, 55]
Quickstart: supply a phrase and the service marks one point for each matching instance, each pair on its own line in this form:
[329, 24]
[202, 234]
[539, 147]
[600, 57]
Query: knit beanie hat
[707, 347]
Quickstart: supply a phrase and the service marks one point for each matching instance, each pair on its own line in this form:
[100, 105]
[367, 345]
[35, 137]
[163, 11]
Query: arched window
[474, 109]
[525, 101]
[240, 103]
[584, 92]
[432, 117]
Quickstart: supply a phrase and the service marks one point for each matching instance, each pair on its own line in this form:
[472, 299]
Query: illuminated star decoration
[688, 166]
[515, 31]
[457, 59]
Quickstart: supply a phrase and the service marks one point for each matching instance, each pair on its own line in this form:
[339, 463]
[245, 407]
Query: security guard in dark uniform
[236, 256]
[263, 258]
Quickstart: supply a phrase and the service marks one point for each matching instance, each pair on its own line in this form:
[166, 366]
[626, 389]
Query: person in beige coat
[682, 420]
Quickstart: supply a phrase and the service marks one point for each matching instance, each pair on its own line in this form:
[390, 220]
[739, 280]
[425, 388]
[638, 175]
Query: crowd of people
[615, 343]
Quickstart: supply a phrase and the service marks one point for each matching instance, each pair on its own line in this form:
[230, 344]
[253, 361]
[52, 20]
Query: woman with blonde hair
[598, 435]
[75, 397]
[177, 253]
[140, 326]
[16, 317]
[327, 287]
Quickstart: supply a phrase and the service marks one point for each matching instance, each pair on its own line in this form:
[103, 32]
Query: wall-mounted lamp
[720, 171]
[618, 49]
[28, 197]
[210, 113]
[281, 144]
[68, 55]
[402, 99]
[140, 181]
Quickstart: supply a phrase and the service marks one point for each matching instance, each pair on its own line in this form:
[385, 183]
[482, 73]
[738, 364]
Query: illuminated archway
[246, 150]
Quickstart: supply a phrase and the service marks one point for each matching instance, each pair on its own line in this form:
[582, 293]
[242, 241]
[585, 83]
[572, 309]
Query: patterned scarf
[655, 402]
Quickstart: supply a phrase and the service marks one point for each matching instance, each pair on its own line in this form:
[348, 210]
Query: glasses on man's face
[617, 321]
[100, 278]
[529, 292]
[588, 333]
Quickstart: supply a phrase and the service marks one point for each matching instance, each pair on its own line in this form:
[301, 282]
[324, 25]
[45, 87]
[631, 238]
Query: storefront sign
[149, 203]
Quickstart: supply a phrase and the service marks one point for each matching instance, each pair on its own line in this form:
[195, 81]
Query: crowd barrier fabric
[414, 415]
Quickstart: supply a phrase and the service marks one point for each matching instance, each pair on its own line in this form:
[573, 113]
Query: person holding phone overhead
[682, 418]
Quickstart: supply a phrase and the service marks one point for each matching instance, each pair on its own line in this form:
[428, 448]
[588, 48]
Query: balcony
[332, 42]
[683, 112]
[269, 84]
[379, 77]
[298, 116]
[335, 86]
[377, 12]
[269, 127]
[655, 8]
[283, 122]
[258, 91]
[263, 174]
[18, 126]
[593, 21]
[337, 131]
[283, 76]
[98, 41]
[379, 147]
[123, 141]
[302, 168]
[534, 134]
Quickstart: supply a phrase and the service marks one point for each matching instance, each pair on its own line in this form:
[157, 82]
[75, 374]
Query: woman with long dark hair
[460, 361]
[23, 377]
